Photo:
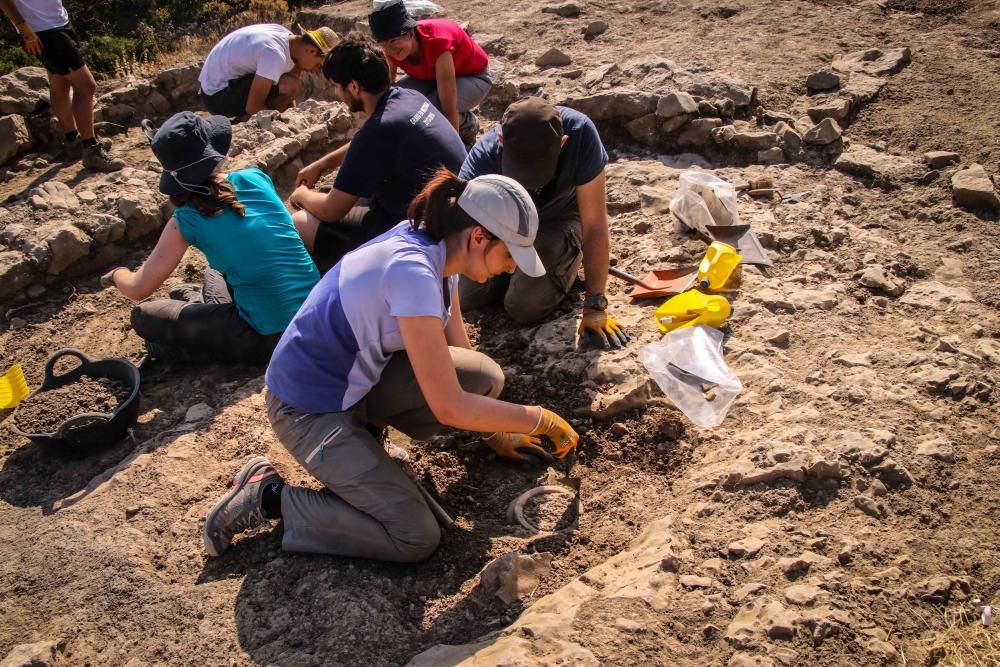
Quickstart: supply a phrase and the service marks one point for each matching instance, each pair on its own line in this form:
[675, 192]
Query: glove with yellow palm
[528, 446]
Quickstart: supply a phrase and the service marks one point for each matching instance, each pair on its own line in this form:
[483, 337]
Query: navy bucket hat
[190, 147]
[390, 21]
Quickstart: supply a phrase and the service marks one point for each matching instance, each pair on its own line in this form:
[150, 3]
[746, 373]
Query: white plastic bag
[415, 8]
[703, 200]
[683, 363]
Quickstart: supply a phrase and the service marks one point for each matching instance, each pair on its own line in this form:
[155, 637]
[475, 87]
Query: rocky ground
[842, 514]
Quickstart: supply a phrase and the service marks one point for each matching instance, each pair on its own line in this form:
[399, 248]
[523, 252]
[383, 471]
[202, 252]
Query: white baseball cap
[503, 206]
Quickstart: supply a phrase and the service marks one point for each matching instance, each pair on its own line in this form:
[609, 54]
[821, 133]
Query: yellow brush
[13, 387]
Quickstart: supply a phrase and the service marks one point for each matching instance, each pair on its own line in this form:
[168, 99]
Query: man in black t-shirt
[557, 155]
[390, 158]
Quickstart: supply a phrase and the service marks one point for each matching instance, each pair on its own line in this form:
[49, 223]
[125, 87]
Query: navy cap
[390, 21]
[190, 147]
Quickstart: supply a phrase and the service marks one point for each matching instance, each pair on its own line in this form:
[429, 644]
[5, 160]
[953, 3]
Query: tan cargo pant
[370, 508]
[526, 300]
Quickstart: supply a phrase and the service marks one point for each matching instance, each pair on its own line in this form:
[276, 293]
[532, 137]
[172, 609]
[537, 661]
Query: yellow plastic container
[690, 308]
[13, 387]
[718, 264]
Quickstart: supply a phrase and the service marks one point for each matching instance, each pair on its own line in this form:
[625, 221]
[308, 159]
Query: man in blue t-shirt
[557, 155]
[394, 153]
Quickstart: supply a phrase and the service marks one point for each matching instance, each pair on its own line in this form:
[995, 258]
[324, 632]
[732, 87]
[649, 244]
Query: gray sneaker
[73, 150]
[98, 159]
[239, 509]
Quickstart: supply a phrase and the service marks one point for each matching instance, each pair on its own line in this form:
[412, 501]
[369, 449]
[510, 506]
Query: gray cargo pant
[370, 508]
[526, 300]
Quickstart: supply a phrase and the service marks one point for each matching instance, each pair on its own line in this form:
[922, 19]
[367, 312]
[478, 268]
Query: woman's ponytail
[435, 210]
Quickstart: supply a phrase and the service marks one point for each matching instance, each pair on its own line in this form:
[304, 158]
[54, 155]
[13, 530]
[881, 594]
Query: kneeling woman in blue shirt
[381, 342]
[260, 272]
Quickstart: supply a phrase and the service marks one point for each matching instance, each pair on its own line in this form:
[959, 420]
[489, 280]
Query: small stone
[870, 506]
[779, 338]
[748, 590]
[893, 474]
[198, 412]
[941, 159]
[553, 58]
[514, 576]
[745, 548]
[937, 448]
[771, 156]
[17, 323]
[878, 488]
[972, 188]
[884, 651]
[863, 359]
[793, 566]
[802, 594]
[594, 29]
[630, 626]
[856, 395]
[822, 80]
[670, 563]
[39, 654]
[565, 9]
[694, 581]
[824, 133]
[749, 660]
[875, 277]
[837, 108]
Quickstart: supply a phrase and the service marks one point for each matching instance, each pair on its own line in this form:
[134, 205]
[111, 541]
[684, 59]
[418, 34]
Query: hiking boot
[468, 128]
[239, 509]
[73, 150]
[97, 158]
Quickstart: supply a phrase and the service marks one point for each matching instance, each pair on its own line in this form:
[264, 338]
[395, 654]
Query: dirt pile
[46, 410]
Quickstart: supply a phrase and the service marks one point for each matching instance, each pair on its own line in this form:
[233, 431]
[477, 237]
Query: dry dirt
[105, 553]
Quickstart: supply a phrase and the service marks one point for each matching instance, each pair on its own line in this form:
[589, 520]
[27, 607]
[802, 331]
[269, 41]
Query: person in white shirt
[46, 32]
[258, 67]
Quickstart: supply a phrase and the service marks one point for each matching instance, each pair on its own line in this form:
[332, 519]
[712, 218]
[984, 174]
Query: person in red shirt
[440, 60]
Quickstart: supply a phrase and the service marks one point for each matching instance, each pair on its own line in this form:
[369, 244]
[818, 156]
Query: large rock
[143, 214]
[14, 136]
[564, 9]
[610, 105]
[54, 195]
[15, 273]
[179, 82]
[884, 168]
[698, 132]
[862, 89]
[24, 90]
[836, 108]
[973, 188]
[644, 130]
[67, 244]
[717, 86]
[341, 20]
[941, 159]
[676, 104]
[822, 80]
[39, 654]
[102, 228]
[875, 62]
[825, 132]
[550, 630]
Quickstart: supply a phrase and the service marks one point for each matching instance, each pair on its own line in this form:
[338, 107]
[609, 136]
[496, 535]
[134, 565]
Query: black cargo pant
[204, 326]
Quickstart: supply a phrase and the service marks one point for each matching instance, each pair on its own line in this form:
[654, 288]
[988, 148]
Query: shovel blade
[665, 282]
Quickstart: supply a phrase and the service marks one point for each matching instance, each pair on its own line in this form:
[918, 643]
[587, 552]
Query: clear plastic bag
[688, 366]
[704, 200]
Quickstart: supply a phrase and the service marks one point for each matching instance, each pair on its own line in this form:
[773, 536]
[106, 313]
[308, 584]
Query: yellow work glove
[600, 328]
[30, 39]
[518, 447]
[558, 430]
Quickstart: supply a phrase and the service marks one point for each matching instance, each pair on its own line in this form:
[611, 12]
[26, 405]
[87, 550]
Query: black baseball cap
[532, 138]
[390, 21]
[190, 147]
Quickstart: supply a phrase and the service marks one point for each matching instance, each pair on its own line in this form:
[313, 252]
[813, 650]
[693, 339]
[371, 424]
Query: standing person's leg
[200, 332]
[61, 103]
[398, 402]
[84, 89]
[371, 508]
[559, 245]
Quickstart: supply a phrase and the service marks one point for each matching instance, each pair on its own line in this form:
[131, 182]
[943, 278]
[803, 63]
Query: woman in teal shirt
[260, 271]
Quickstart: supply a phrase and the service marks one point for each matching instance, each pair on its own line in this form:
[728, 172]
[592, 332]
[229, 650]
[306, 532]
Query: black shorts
[359, 226]
[232, 100]
[60, 50]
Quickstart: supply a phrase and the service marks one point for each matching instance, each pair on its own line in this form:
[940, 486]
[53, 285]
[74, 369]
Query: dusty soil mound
[45, 411]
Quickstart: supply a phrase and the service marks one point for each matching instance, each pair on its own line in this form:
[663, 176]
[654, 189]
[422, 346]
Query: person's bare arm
[427, 348]
[29, 39]
[310, 173]
[330, 207]
[257, 98]
[167, 254]
[447, 87]
[393, 70]
[592, 204]
[454, 331]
